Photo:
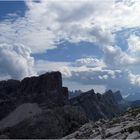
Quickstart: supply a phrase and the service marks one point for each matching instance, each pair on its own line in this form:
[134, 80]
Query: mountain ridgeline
[98, 105]
[39, 107]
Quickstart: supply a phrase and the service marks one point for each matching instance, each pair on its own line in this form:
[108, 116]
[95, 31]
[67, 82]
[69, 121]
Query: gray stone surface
[125, 126]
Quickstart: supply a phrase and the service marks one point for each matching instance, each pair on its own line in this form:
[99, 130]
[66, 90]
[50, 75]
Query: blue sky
[67, 51]
[94, 44]
[8, 7]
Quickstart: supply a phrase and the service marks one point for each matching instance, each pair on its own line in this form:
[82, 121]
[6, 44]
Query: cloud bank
[48, 23]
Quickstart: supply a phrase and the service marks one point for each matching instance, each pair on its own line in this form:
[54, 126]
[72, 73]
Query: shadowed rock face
[123, 104]
[44, 83]
[8, 88]
[57, 117]
[7, 93]
[118, 96]
[97, 106]
[46, 88]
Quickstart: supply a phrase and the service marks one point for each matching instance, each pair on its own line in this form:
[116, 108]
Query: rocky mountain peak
[97, 105]
[118, 96]
[108, 93]
[91, 91]
[43, 83]
[88, 93]
[44, 89]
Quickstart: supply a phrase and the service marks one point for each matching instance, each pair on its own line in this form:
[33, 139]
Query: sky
[94, 43]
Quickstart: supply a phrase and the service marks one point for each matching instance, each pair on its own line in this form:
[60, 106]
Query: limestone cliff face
[46, 88]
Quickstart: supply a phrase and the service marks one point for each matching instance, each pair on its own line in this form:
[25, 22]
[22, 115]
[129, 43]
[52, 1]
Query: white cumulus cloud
[15, 62]
[48, 22]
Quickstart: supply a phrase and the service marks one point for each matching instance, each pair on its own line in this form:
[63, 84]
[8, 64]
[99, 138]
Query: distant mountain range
[75, 93]
[133, 100]
[99, 105]
[133, 97]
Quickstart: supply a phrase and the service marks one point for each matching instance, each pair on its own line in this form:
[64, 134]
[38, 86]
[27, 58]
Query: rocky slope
[49, 123]
[126, 126]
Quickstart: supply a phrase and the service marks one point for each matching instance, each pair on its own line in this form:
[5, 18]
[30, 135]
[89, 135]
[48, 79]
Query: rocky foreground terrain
[126, 126]
[39, 107]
